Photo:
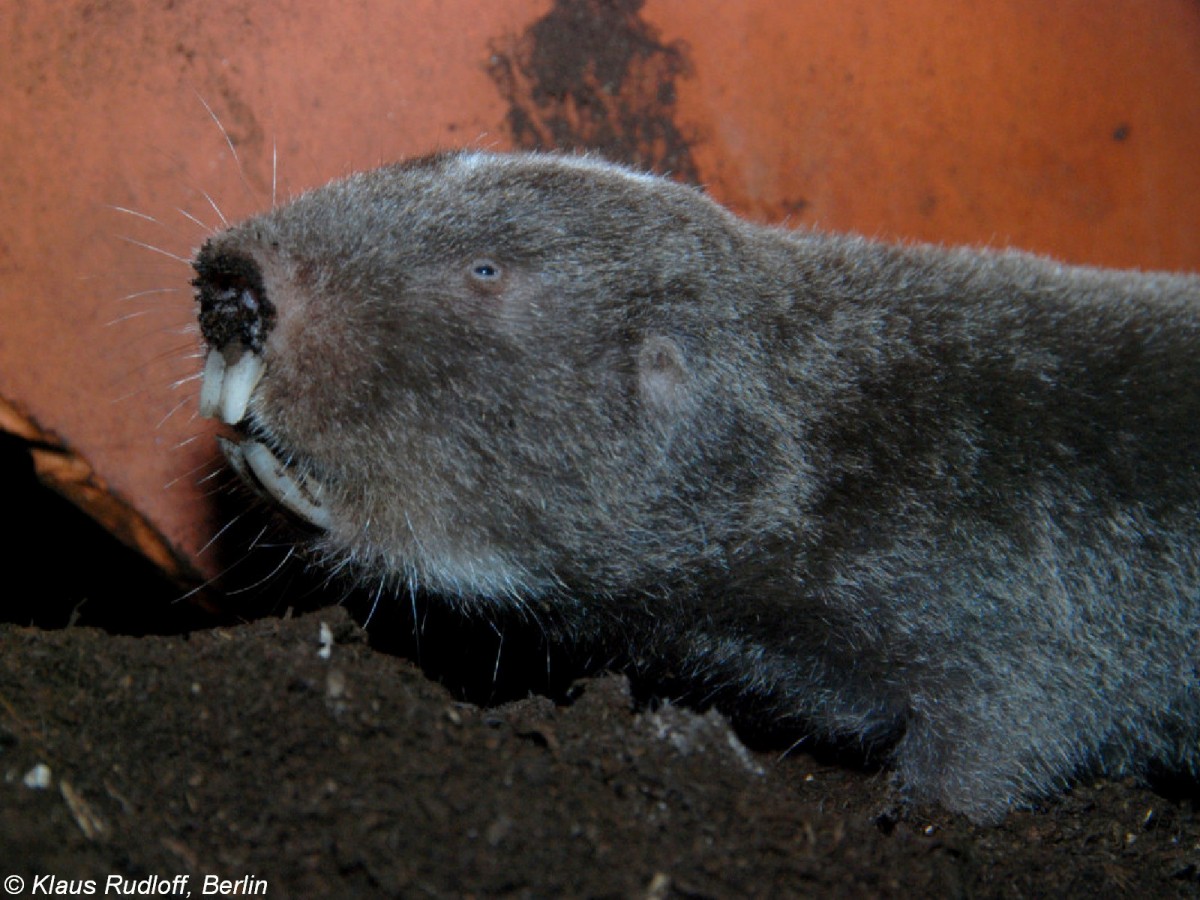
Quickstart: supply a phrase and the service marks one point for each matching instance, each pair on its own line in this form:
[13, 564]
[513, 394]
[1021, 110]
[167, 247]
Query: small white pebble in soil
[335, 685]
[38, 777]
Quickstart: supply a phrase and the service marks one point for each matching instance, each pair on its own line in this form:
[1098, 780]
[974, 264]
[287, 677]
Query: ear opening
[663, 377]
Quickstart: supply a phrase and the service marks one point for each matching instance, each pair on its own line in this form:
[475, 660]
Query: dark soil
[243, 750]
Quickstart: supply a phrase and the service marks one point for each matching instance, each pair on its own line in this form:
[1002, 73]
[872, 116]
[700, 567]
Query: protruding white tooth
[238, 384]
[237, 459]
[296, 494]
[210, 387]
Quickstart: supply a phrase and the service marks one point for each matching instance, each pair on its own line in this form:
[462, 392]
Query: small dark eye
[485, 270]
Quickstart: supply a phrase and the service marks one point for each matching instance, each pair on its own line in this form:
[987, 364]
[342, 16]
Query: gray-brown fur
[945, 499]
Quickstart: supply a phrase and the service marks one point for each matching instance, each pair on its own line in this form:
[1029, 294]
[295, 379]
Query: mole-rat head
[478, 372]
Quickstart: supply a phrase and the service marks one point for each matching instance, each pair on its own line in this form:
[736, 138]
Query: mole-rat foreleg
[980, 753]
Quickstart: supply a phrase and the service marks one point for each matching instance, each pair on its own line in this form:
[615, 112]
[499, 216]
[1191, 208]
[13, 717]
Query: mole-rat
[942, 501]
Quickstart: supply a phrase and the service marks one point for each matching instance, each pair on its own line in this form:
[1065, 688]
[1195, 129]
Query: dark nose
[233, 302]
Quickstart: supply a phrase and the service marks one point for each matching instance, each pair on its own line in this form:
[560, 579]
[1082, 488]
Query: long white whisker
[208, 229]
[375, 605]
[186, 380]
[192, 471]
[224, 133]
[133, 212]
[218, 471]
[216, 209]
[220, 531]
[145, 246]
[135, 314]
[232, 149]
[174, 409]
[499, 651]
[270, 575]
[254, 543]
[147, 293]
[213, 580]
[172, 353]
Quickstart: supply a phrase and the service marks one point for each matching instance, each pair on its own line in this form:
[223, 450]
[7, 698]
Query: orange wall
[1070, 128]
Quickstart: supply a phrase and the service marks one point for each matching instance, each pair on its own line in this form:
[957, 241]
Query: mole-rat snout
[236, 315]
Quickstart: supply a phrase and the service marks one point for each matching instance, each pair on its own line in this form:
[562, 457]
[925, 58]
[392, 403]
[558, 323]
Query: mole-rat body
[944, 500]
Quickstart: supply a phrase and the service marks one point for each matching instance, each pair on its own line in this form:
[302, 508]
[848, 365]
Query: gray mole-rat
[941, 500]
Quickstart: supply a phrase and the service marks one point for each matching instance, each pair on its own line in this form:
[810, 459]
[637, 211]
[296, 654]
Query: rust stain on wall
[594, 75]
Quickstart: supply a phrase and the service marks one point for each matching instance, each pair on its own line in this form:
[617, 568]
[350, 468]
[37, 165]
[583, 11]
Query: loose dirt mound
[292, 750]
